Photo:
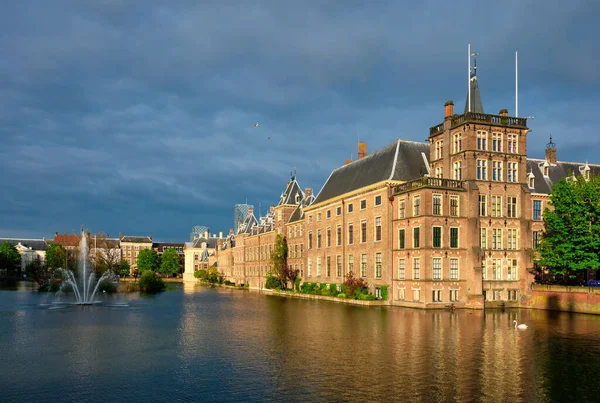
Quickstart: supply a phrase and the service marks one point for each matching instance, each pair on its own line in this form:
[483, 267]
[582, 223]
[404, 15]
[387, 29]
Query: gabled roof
[288, 197]
[298, 213]
[137, 239]
[197, 243]
[401, 161]
[34, 244]
[247, 225]
[67, 240]
[556, 172]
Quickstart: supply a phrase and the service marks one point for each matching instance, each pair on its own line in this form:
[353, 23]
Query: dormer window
[546, 170]
[297, 198]
[531, 180]
[585, 171]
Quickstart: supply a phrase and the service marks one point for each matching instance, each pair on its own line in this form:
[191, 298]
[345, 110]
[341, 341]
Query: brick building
[131, 246]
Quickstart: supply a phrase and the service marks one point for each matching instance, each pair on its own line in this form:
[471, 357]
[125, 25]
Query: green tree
[56, 256]
[147, 260]
[124, 268]
[279, 257]
[213, 275]
[169, 262]
[10, 259]
[571, 240]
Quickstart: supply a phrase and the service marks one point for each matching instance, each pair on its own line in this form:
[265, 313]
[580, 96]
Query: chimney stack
[230, 231]
[362, 149]
[220, 234]
[250, 210]
[503, 112]
[551, 152]
[347, 162]
[206, 234]
[307, 192]
[448, 109]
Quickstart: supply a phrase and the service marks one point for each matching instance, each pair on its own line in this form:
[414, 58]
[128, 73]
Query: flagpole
[469, 74]
[516, 83]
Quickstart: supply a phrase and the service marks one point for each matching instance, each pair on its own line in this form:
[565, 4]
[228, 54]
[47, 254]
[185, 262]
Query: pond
[193, 343]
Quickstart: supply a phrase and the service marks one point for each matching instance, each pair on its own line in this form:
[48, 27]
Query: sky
[137, 116]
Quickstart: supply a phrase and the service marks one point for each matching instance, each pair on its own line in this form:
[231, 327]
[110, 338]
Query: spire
[476, 104]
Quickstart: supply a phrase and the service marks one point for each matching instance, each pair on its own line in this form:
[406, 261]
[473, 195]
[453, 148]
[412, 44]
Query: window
[457, 142]
[436, 295]
[437, 268]
[437, 204]
[458, 170]
[363, 265]
[378, 265]
[309, 239]
[416, 295]
[453, 295]
[338, 271]
[377, 228]
[350, 208]
[310, 219]
[482, 170]
[318, 238]
[328, 266]
[401, 208]
[512, 172]
[439, 149]
[328, 237]
[483, 238]
[328, 214]
[481, 138]
[482, 205]
[497, 171]
[531, 181]
[496, 206]
[496, 269]
[512, 239]
[309, 266]
[401, 238]
[453, 269]
[454, 206]
[537, 210]
[363, 231]
[439, 172]
[437, 237]
[536, 239]
[416, 268]
[318, 216]
[350, 264]
[338, 211]
[338, 236]
[401, 294]
[512, 143]
[417, 206]
[318, 266]
[453, 238]
[350, 234]
[497, 238]
[416, 237]
[546, 170]
[377, 200]
[484, 270]
[363, 204]
[511, 269]
[401, 269]
[497, 142]
[511, 207]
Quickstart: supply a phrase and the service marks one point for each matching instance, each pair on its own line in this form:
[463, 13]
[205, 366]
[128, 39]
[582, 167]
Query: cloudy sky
[137, 116]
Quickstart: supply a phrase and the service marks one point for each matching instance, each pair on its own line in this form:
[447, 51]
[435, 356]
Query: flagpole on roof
[469, 74]
[516, 83]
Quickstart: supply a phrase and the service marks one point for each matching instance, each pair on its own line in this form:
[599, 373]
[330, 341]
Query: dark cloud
[136, 116]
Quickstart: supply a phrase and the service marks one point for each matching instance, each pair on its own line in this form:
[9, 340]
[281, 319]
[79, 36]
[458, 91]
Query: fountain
[84, 293]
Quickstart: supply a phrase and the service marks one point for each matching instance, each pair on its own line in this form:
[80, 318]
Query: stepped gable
[400, 161]
[556, 172]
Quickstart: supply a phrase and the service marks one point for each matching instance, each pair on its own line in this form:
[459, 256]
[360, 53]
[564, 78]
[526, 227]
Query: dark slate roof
[211, 242]
[247, 225]
[35, 244]
[402, 161]
[137, 239]
[476, 104]
[289, 195]
[555, 173]
[298, 213]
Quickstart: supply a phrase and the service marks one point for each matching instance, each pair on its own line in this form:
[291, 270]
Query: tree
[147, 260]
[10, 259]
[279, 260]
[571, 240]
[107, 253]
[56, 256]
[352, 284]
[213, 275]
[124, 268]
[38, 271]
[169, 264]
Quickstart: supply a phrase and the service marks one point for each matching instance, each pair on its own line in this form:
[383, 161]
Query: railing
[497, 120]
[428, 182]
[436, 129]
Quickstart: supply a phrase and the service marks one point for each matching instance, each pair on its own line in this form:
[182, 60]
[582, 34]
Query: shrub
[272, 282]
[384, 292]
[297, 283]
[308, 288]
[333, 289]
[201, 274]
[353, 284]
[150, 282]
[107, 286]
[342, 295]
[227, 282]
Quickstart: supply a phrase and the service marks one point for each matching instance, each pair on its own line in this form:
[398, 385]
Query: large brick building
[453, 220]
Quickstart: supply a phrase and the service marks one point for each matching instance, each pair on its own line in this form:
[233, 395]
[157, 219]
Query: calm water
[199, 344]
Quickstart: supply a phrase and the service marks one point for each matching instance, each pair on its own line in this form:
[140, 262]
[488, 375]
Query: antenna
[516, 83]
[469, 75]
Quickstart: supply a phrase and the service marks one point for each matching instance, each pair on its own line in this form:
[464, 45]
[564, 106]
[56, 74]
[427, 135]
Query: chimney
[551, 152]
[448, 109]
[347, 162]
[230, 231]
[307, 192]
[205, 234]
[220, 234]
[250, 210]
[503, 112]
[272, 209]
[362, 149]
[120, 236]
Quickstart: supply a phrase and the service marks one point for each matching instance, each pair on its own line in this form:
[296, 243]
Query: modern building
[198, 231]
[240, 212]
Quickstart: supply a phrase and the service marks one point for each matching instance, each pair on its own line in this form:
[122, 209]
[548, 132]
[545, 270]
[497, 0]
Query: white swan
[522, 326]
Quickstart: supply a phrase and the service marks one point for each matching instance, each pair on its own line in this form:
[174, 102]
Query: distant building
[201, 253]
[160, 247]
[240, 212]
[131, 246]
[198, 231]
[29, 249]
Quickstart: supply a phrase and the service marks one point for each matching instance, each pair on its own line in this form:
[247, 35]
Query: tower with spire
[476, 104]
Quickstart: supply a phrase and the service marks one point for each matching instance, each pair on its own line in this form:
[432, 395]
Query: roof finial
[551, 143]
[474, 71]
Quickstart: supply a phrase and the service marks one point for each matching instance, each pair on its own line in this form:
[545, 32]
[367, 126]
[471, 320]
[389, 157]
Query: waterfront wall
[564, 298]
